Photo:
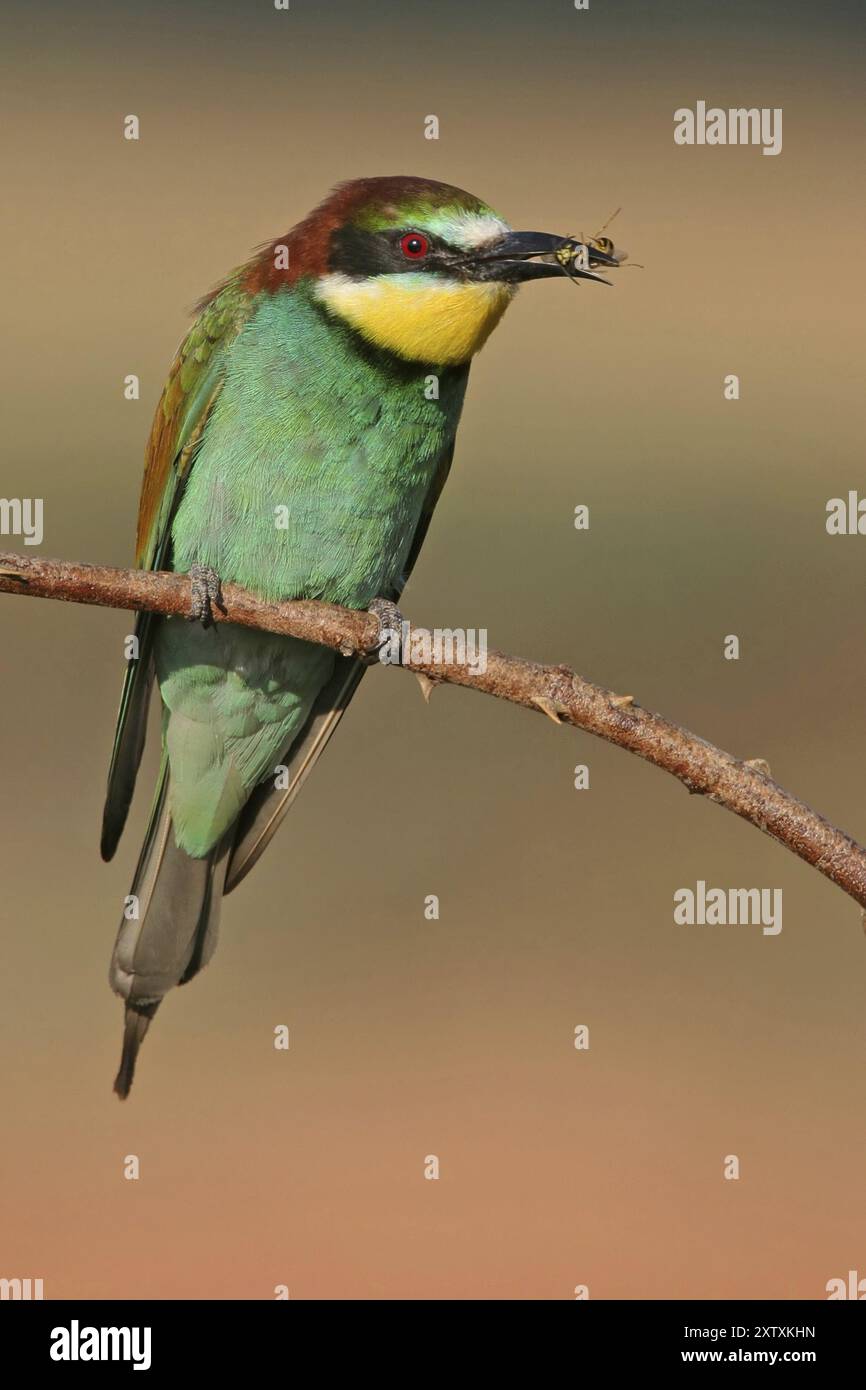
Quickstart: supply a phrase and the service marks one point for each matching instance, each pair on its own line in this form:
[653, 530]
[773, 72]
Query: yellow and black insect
[581, 256]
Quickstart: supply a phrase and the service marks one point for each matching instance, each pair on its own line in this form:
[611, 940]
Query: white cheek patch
[467, 229]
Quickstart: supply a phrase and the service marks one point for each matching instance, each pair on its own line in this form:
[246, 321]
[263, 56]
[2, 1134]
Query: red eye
[414, 245]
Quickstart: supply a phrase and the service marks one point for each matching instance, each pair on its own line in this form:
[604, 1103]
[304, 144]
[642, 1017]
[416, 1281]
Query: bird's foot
[206, 595]
[391, 622]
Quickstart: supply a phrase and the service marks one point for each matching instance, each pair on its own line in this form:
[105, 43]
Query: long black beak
[512, 258]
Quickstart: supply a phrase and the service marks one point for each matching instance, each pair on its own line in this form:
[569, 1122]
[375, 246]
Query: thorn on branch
[549, 707]
[759, 765]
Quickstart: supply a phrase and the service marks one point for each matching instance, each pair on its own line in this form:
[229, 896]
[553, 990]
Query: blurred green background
[454, 1037]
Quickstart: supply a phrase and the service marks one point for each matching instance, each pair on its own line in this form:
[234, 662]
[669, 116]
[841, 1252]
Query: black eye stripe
[360, 254]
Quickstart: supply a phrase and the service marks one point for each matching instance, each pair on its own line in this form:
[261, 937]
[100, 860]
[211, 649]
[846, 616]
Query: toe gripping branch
[205, 595]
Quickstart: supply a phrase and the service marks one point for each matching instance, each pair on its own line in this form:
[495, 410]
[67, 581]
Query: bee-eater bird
[299, 448]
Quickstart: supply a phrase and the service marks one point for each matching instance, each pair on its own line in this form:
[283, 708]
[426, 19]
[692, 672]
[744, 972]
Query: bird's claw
[206, 595]
[391, 622]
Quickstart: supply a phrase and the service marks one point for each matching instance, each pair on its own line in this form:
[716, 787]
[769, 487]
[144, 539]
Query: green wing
[193, 384]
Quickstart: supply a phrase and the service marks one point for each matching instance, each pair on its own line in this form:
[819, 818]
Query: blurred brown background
[454, 1037]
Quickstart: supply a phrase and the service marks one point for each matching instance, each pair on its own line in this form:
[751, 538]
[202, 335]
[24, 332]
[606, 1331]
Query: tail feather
[171, 932]
[129, 738]
[136, 1024]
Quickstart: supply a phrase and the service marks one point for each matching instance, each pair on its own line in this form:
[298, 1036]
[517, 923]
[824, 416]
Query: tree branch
[745, 788]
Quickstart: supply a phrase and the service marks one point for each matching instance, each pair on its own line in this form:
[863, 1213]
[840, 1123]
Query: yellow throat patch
[420, 317]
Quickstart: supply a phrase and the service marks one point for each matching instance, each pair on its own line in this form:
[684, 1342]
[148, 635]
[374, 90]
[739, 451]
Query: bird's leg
[391, 622]
[206, 595]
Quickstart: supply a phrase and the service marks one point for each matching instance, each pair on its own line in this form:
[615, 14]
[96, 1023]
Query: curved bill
[520, 256]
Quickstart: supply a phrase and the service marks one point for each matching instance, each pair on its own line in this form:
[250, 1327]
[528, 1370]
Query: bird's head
[418, 268]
